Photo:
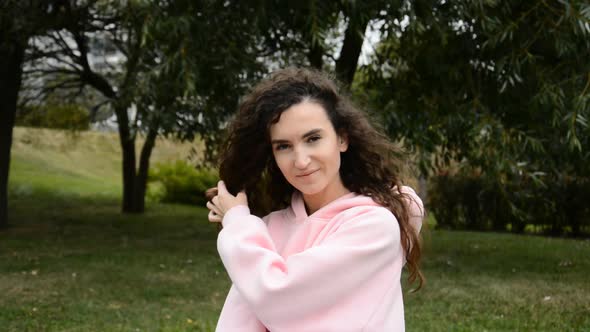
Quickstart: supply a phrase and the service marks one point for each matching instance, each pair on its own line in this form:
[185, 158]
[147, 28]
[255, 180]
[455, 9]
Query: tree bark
[12, 55]
[19, 20]
[144, 166]
[351, 48]
[127, 141]
[128, 150]
[315, 56]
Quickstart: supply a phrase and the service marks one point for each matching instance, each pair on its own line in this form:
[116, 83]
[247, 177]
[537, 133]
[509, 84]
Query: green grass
[502, 282]
[79, 265]
[85, 163]
[71, 262]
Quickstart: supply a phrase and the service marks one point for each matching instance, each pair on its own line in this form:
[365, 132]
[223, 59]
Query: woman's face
[307, 149]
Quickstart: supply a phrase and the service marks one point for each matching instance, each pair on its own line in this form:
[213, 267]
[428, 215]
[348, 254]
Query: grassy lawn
[502, 282]
[77, 264]
[72, 262]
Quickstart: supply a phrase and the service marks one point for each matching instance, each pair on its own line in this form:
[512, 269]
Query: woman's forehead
[299, 119]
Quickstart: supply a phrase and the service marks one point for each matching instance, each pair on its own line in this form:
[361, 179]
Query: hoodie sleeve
[286, 292]
[236, 315]
[415, 208]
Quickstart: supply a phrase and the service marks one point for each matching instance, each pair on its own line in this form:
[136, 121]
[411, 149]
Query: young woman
[330, 256]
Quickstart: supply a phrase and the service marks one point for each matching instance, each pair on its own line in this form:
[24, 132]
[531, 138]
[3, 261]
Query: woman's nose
[301, 159]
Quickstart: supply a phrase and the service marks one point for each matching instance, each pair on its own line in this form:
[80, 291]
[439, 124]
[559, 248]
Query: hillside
[86, 162]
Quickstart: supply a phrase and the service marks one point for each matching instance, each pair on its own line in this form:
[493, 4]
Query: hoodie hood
[331, 209]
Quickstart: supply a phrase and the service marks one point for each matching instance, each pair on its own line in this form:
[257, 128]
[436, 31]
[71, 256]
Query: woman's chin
[309, 190]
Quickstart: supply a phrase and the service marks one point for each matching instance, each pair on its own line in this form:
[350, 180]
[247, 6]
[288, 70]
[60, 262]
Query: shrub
[483, 202]
[182, 182]
[155, 192]
[57, 116]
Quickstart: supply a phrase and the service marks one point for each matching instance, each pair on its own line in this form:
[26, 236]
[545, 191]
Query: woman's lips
[306, 174]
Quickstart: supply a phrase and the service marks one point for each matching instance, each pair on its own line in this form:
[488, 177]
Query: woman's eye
[279, 147]
[313, 139]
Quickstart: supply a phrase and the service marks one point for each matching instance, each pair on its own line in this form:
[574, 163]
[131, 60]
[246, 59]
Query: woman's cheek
[282, 161]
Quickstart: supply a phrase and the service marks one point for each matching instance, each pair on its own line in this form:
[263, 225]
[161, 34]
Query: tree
[306, 33]
[19, 21]
[182, 62]
[191, 91]
[501, 87]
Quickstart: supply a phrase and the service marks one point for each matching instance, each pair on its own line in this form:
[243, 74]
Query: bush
[467, 202]
[569, 211]
[182, 183]
[56, 116]
[155, 192]
[480, 202]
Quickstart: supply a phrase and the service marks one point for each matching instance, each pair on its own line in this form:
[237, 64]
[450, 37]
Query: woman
[330, 256]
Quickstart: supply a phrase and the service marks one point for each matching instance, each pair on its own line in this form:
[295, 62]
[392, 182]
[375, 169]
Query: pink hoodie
[336, 270]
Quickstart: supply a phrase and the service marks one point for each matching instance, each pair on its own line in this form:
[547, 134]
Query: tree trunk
[142, 174]
[11, 56]
[128, 150]
[351, 48]
[134, 180]
[127, 141]
[315, 55]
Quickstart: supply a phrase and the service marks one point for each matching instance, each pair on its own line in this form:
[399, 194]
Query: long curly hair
[371, 166]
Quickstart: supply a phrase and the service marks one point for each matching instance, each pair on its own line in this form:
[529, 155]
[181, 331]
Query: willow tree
[502, 87]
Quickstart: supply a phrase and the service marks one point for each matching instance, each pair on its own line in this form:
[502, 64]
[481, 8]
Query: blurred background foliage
[491, 96]
[181, 182]
[57, 116]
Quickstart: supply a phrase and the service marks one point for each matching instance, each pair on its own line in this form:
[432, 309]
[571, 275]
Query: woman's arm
[236, 315]
[293, 291]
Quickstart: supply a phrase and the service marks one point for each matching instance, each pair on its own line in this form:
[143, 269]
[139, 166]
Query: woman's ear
[343, 142]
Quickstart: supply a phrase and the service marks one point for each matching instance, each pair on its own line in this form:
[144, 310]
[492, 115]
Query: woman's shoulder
[414, 206]
[414, 203]
[360, 209]
[283, 214]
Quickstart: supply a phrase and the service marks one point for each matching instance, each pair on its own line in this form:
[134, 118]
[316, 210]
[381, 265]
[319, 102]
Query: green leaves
[497, 88]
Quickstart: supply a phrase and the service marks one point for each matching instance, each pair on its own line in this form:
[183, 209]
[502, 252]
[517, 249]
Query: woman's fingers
[211, 192]
[242, 197]
[221, 189]
[224, 200]
[214, 208]
[213, 217]
[215, 201]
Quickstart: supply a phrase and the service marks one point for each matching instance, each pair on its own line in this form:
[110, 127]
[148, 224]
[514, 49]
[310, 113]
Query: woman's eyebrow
[312, 132]
[307, 134]
[279, 141]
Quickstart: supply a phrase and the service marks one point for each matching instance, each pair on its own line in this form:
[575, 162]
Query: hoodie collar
[331, 209]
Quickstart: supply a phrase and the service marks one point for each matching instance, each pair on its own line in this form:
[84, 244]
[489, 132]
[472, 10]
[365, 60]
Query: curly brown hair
[371, 166]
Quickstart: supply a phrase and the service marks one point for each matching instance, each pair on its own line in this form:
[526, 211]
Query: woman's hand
[223, 201]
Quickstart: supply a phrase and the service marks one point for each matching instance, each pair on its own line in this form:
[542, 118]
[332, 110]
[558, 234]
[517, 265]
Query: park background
[112, 113]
